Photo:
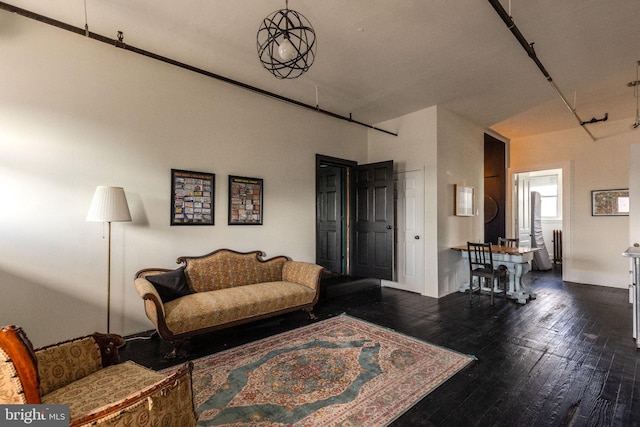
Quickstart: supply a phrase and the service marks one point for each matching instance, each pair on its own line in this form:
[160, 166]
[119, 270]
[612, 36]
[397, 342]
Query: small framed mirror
[464, 197]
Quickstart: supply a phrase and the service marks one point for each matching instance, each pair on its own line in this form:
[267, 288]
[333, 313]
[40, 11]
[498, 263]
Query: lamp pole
[109, 280]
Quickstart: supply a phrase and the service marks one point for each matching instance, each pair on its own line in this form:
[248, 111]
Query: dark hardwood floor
[566, 358]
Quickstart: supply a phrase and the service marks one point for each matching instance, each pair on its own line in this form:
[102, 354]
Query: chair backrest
[512, 243]
[480, 255]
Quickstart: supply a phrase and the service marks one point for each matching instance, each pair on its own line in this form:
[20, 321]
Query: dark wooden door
[330, 219]
[495, 189]
[374, 215]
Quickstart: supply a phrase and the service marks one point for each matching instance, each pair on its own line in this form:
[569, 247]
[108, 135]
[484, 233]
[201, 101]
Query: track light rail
[528, 47]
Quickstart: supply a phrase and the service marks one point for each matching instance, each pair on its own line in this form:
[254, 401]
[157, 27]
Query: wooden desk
[517, 261]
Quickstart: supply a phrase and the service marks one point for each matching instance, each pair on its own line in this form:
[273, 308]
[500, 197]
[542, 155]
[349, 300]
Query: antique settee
[224, 288]
[84, 373]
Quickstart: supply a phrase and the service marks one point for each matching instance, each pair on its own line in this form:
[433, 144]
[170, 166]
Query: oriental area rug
[338, 372]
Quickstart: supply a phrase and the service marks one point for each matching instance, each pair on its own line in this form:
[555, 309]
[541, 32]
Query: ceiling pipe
[528, 47]
[120, 44]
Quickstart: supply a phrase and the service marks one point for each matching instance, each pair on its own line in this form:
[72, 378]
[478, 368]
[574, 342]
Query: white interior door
[409, 235]
[634, 222]
[523, 219]
[634, 194]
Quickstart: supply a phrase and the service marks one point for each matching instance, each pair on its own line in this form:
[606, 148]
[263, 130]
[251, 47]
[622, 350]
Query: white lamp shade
[109, 204]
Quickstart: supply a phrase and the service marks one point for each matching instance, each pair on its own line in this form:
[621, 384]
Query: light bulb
[286, 51]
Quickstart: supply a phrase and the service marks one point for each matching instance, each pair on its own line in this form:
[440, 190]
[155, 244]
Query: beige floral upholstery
[128, 388]
[222, 269]
[67, 362]
[104, 387]
[165, 404]
[11, 391]
[301, 272]
[230, 288]
[205, 309]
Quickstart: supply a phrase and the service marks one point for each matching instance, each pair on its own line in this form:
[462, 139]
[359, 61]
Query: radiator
[557, 246]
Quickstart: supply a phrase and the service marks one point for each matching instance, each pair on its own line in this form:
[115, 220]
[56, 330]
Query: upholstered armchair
[84, 373]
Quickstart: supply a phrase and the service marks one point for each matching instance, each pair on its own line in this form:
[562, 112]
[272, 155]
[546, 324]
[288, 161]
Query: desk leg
[464, 286]
[512, 279]
[522, 291]
[512, 285]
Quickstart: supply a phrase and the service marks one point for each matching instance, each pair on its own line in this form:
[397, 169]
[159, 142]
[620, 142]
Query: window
[547, 186]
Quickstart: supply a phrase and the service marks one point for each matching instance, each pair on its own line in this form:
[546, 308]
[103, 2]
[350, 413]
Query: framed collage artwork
[192, 197]
[245, 200]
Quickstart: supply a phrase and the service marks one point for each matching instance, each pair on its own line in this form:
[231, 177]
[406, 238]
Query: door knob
[388, 227]
[417, 237]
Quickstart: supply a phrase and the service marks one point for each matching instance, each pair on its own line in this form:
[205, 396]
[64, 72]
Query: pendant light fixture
[286, 43]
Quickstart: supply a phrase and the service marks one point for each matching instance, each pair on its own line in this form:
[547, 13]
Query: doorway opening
[548, 183]
[354, 217]
[495, 189]
[333, 219]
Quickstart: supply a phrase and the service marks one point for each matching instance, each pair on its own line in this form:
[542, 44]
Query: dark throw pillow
[170, 285]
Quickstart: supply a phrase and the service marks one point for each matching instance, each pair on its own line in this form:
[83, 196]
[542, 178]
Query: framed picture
[192, 197]
[610, 202]
[245, 200]
[464, 200]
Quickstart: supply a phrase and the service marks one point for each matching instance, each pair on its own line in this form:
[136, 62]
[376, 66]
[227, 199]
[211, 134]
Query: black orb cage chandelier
[286, 43]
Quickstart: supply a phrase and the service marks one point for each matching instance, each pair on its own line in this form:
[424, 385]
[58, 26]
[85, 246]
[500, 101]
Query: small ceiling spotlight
[286, 43]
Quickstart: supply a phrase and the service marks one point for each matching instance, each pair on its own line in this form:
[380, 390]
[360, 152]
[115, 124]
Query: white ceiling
[381, 59]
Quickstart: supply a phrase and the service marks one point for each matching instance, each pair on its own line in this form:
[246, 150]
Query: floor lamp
[109, 205]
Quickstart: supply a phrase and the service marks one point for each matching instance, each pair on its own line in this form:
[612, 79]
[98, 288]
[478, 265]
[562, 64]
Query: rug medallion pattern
[338, 372]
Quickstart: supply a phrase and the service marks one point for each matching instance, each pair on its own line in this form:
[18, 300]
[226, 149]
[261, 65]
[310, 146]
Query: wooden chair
[481, 266]
[84, 374]
[512, 243]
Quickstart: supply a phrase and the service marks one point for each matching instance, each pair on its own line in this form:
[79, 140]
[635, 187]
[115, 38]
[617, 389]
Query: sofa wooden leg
[173, 354]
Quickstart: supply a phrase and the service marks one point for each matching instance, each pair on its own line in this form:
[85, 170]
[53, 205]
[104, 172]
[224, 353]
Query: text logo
[34, 415]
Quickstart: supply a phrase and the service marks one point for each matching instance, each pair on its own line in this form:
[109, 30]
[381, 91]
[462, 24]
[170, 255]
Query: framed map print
[610, 202]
